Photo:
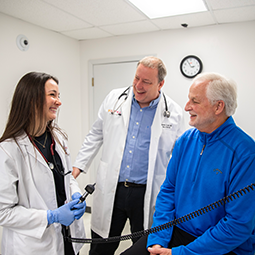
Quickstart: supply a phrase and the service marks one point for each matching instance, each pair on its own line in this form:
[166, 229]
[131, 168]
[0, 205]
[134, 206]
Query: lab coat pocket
[101, 175]
[167, 139]
[18, 243]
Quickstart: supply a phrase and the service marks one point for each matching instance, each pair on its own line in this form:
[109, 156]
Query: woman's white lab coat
[27, 191]
[111, 131]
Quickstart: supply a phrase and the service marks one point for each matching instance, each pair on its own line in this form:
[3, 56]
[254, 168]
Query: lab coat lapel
[126, 108]
[156, 129]
[32, 151]
[62, 155]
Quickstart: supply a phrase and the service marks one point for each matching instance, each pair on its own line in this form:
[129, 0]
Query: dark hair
[27, 106]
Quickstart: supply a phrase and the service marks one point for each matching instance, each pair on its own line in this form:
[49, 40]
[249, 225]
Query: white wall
[227, 49]
[48, 52]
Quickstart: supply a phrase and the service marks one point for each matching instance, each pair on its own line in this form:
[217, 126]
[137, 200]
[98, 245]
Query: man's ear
[160, 85]
[220, 106]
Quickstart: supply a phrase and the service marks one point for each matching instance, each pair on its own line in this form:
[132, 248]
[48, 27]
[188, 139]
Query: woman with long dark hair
[38, 195]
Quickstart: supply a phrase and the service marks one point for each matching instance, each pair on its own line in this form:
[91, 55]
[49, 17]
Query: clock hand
[190, 64]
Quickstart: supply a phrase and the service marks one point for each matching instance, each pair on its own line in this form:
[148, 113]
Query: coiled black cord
[169, 224]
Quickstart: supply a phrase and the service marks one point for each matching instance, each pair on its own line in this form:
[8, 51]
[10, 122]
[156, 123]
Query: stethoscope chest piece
[51, 165]
[166, 114]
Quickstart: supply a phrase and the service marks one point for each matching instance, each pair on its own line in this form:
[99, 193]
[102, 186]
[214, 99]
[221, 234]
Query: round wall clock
[191, 66]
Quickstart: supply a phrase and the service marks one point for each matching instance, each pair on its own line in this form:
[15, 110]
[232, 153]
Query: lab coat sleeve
[74, 187]
[92, 143]
[26, 221]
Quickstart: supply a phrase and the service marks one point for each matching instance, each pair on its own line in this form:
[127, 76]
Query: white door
[110, 76]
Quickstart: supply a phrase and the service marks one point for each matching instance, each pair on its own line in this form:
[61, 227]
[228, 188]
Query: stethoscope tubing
[126, 92]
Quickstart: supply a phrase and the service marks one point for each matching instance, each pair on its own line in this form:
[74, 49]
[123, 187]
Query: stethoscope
[125, 93]
[52, 166]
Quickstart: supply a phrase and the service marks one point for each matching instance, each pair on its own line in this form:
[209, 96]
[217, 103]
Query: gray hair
[154, 63]
[220, 88]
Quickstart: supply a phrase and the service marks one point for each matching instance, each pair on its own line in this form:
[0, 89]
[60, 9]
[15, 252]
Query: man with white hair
[209, 162]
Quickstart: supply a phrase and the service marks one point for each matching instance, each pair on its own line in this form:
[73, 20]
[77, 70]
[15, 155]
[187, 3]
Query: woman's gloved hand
[63, 215]
[78, 209]
[76, 195]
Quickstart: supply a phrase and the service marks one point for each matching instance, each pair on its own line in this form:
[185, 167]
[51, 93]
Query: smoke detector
[22, 42]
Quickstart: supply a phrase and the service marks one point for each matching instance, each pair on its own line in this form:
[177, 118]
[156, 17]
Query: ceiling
[91, 19]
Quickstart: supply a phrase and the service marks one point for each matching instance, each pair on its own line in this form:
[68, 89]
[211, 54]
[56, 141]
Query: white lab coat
[111, 131]
[27, 191]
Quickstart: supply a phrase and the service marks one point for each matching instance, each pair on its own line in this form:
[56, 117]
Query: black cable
[169, 224]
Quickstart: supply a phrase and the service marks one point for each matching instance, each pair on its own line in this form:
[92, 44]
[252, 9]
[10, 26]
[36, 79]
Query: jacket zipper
[198, 165]
[201, 153]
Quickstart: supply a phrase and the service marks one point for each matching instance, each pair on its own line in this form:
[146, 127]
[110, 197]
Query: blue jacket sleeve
[233, 230]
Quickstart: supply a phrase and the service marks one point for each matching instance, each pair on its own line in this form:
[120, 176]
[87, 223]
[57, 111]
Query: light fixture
[164, 8]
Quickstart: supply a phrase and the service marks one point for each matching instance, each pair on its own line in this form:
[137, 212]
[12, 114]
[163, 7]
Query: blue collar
[218, 133]
[152, 104]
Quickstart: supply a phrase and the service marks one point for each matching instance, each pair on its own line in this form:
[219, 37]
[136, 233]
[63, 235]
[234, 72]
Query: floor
[123, 245]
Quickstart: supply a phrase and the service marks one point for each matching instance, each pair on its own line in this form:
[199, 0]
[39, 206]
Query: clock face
[191, 66]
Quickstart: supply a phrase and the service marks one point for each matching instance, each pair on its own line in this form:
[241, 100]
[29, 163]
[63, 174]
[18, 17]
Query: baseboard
[88, 209]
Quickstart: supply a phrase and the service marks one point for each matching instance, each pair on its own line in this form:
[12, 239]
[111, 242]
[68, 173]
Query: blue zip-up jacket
[203, 169]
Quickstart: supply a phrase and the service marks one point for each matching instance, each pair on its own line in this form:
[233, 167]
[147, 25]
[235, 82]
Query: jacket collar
[219, 133]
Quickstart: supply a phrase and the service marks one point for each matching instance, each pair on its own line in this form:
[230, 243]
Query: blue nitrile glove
[63, 215]
[78, 209]
[76, 195]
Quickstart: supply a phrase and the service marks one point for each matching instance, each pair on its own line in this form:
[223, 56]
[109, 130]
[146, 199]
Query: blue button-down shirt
[134, 166]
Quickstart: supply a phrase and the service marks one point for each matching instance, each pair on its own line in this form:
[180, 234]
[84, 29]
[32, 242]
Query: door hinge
[92, 82]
